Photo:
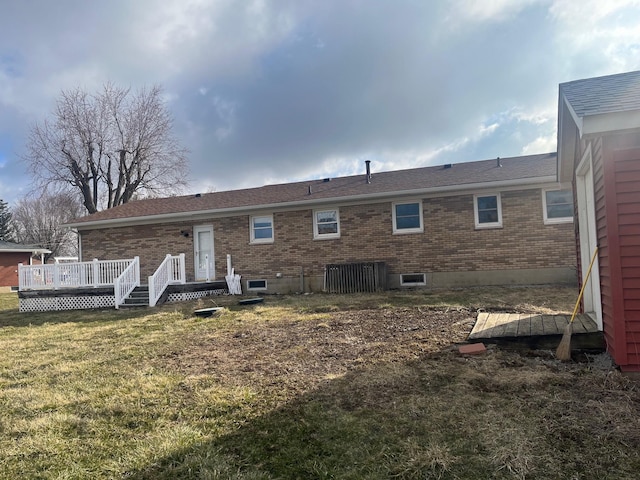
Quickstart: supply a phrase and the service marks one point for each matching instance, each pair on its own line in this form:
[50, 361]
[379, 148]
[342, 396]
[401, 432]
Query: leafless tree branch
[108, 147]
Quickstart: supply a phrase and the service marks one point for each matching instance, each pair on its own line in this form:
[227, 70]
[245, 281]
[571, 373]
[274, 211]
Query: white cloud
[294, 90]
[488, 10]
[544, 144]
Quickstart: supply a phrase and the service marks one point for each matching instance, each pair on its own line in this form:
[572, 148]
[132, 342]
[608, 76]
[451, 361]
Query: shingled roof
[595, 107]
[17, 248]
[454, 177]
[608, 94]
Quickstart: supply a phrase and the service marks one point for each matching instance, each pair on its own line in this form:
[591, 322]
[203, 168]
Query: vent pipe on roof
[499, 163]
[310, 192]
[368, 165]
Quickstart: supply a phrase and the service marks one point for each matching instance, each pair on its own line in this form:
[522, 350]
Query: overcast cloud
[275, 91]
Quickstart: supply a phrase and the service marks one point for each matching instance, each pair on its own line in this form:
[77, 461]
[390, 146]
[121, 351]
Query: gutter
[448, 190]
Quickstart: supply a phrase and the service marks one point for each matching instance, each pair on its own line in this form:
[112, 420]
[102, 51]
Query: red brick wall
[9, 267]
[449, 243]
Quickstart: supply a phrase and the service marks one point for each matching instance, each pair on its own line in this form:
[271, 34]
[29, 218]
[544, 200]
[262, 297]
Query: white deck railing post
[183, 269]
[96, 273]
[21, 277]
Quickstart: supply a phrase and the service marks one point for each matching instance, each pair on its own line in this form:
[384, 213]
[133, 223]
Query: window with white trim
[407, 217]
[487, 210]
[326, 223]
[261, 229]
[557, 206]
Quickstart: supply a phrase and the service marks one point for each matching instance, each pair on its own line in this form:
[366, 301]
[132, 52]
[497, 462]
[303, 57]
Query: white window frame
[253, 289]
[325, 236]
[401, 231]
[252, 233]
[553, 221]
[497, 224]
[413, 284]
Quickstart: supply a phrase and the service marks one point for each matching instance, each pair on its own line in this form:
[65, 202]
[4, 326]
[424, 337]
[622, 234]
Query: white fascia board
[610, 122]
[568, 124]
[449, 190]
[576, 119]
[35, 251]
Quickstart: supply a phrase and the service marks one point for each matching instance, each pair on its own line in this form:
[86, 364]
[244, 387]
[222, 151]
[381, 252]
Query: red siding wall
[619, 232]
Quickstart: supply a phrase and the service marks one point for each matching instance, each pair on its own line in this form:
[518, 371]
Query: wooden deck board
[524, 326]
[496, 325]
[480, 325]
[561, 322]
[501, 324]
[549, 326]
[511, 325]
[535, 322]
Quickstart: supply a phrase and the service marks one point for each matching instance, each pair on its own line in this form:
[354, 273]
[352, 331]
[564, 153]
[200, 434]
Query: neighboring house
[493, 222]
[599, 151]
[11, 254]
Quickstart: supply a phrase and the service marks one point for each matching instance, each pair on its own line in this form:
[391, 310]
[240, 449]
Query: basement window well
[256, 284]
[413, 279]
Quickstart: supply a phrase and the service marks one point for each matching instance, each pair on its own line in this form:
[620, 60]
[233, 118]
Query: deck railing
[171, 271]
[127, 281]
[98, 273]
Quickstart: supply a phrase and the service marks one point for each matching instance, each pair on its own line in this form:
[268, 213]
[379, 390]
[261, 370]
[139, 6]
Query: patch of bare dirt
[302, 352]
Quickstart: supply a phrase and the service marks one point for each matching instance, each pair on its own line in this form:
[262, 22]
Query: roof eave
[569, 124]
[181, 216]
[604, 123]
[34, 251]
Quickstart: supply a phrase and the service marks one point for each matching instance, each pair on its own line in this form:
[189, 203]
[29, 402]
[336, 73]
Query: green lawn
[309, 386]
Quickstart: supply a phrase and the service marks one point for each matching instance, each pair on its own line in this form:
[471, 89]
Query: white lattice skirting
[47, 304]
[186, 296]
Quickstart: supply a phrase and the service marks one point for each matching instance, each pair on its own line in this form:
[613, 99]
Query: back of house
[492, 222]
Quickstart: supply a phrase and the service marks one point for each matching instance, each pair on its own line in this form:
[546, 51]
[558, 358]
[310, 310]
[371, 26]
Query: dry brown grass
[309, 386]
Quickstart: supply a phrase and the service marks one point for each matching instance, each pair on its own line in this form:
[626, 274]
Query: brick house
[11, 254]
[492, 222]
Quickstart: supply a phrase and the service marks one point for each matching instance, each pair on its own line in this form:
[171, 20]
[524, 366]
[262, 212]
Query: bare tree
[108, 147]
[38, 221]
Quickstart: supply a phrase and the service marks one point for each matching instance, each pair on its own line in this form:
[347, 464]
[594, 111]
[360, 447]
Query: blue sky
[275, 91]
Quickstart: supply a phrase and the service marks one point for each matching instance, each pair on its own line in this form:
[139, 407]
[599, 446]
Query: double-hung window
[557, 206]
[407, 217]
[487, 210]
[261, 229]
[326, 223]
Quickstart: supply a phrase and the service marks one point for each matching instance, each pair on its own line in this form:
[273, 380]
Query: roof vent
[368, 165]
[198, 195]
[447, 165]
[326, 180]
[498, 162]
[310, 192]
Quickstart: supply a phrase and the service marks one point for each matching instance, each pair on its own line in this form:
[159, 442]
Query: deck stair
[138, 298]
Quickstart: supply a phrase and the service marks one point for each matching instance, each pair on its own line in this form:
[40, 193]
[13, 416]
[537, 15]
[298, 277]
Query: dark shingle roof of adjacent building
[16, 247]
[459, 176]
[608, 94]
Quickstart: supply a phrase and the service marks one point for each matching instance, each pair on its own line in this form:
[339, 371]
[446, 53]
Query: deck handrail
[127, 281]
[96, 273]
[171, 271]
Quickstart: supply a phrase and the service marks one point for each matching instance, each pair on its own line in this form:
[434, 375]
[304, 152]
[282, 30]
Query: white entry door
[203, 259]
[588, 236]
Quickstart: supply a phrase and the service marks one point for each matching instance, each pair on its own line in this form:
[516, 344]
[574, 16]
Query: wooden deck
[543, 331]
